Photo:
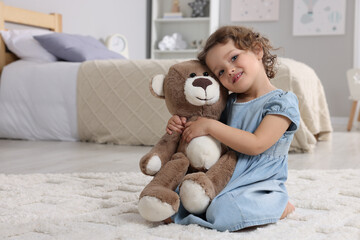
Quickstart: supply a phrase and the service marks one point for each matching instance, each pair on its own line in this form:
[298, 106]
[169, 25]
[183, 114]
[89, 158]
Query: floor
[19, 157]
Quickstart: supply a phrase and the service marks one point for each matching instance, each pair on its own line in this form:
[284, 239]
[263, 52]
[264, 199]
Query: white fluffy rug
[104, 206]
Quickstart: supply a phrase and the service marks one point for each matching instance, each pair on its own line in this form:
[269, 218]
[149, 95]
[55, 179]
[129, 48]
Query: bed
[108, 100]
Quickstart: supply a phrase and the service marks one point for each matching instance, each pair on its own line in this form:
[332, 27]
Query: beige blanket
[315, 121]
[115, 105]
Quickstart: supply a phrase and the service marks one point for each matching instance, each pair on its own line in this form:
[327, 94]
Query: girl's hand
[176, 124]
[197, 128]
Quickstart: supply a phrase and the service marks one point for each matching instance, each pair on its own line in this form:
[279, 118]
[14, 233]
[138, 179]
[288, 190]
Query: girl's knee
[222, 215]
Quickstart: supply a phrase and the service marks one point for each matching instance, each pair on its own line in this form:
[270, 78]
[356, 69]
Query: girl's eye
[221, 73]
[206, 74]
[234, 58]
[192, 75]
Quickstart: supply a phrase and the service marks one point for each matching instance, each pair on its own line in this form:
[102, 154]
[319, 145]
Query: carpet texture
[104, 206]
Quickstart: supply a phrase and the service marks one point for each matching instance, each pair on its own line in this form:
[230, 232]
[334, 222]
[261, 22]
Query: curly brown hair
[244, 39]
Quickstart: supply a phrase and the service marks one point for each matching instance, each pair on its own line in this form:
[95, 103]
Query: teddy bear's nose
[202, 82]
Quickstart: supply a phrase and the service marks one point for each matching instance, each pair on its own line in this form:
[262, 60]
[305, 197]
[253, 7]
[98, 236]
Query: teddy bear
[200, 168]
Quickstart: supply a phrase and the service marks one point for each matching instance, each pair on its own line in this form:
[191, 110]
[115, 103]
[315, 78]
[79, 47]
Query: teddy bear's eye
[192, 75]
[206, 74]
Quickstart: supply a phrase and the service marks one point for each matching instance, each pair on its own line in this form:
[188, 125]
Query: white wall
[98, 18]
[357, 35]
[330, 56]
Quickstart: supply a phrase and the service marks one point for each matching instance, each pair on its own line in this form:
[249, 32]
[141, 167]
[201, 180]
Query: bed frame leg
[352, 114]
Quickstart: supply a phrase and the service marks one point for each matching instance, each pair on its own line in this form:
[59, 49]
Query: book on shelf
[173, 15]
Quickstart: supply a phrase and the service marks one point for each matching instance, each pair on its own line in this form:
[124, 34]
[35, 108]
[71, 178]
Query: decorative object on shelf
[175, 6]
[175, 11]
[198, 44]
[165, 22]
[173, 42]
[118, 43]
[172, 15]
[193, 44]
[198, 7]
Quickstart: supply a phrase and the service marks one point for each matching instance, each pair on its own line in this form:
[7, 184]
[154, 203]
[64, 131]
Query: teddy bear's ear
[157, 86]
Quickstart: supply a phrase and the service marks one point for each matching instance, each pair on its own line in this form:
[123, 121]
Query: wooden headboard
[9, 14]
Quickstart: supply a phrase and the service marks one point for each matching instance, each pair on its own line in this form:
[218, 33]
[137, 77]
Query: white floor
[18, 157]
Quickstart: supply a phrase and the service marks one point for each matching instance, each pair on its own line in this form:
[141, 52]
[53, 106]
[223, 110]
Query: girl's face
[238, 70]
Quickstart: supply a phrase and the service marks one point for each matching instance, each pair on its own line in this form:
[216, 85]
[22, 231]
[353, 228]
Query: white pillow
[23, 45]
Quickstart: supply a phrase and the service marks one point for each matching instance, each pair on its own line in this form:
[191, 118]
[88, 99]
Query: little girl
[260, 122]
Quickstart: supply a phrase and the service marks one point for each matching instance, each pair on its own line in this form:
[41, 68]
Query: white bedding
[43, 108]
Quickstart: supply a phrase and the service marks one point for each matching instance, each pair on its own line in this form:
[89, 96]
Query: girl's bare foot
[289, 209]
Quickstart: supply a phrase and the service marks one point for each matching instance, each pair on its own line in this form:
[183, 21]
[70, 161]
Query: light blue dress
[256, 194]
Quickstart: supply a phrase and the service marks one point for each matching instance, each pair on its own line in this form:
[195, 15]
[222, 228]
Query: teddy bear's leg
[159, 201]
[160, 154]
[198, 189]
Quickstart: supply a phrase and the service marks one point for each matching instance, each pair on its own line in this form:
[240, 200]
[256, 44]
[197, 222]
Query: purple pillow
[75, 48]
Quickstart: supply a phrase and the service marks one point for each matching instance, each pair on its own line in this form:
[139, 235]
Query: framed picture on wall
[319, 17]
[254, 10]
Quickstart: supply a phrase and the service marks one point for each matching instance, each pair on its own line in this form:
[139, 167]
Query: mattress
[42, 107]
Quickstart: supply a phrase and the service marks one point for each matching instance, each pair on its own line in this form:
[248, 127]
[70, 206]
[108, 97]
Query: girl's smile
[237, 77]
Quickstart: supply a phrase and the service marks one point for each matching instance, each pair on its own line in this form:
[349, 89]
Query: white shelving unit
[191, 29]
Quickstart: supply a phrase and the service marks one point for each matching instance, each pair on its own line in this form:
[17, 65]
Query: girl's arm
[271, 128]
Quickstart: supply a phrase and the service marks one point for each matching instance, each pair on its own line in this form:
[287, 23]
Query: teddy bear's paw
[154, 210]
[193, 197]
[153, 165]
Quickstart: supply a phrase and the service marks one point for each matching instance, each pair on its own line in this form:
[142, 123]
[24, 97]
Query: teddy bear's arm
[160, 154]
